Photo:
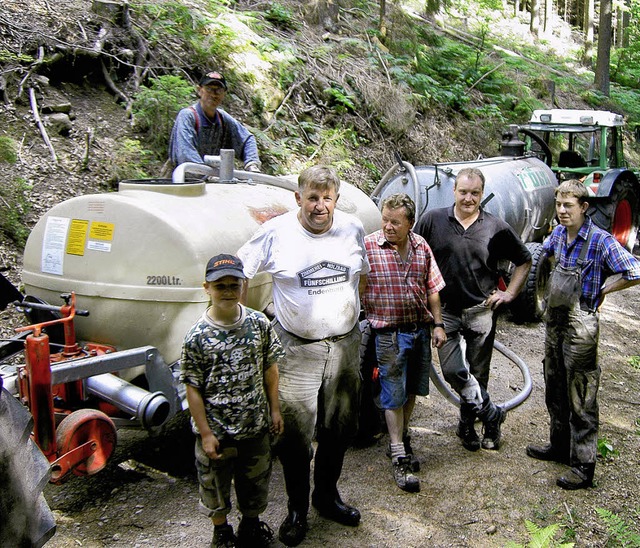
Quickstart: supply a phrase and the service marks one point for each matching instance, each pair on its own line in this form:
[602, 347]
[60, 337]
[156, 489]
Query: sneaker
[256, 535]
[403, 475]
[467, 433]
[415, 463]
[223, 537]
[491, 430]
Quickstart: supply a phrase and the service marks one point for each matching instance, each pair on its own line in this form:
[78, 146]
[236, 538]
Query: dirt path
[148, 496]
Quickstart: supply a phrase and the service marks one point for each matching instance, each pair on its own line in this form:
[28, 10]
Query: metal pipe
[227, 158]
[151, 409]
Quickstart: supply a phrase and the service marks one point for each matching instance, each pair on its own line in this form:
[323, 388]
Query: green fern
[619, 530]
[541, 537]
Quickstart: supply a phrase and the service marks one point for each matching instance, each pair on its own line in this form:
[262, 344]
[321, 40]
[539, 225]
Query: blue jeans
[319, 391]
[404, 359]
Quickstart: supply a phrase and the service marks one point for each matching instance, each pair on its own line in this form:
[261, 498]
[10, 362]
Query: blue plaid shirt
[605, 257]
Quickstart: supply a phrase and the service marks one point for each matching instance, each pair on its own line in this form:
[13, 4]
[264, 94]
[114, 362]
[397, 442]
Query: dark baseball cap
[224, 265]
[213, 77]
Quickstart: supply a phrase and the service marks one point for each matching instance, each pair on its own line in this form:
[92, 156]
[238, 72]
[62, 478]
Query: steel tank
[519, 190]
[136, 258]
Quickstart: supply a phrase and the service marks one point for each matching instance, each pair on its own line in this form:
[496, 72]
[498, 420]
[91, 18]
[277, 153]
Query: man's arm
[617, 285]
[210, 443]
[439, 336]
[518, 279]
[184, 139]
[271, 388]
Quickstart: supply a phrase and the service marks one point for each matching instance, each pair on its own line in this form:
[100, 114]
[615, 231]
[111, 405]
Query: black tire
[619, 214]
[25, 518]
[529, 304]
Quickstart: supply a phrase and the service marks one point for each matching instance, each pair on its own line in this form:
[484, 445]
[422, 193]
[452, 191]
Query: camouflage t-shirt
[226, 364]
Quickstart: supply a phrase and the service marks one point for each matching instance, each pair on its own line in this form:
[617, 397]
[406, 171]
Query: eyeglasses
[214, 90]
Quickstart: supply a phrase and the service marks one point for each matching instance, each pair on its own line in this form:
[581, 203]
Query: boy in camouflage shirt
[229, 368]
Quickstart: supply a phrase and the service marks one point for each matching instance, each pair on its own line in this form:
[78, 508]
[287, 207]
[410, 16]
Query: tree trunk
[601, 80]
[382, 24]
[548, 13]
[534, 25]
[587, 58]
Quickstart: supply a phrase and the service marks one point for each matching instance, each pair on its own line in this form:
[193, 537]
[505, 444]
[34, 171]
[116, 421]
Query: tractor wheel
[25, 517]
[620, 213]
[529, 304]
[87, 425]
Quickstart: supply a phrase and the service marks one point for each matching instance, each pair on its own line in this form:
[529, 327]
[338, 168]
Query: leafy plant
[541, 537]
[634, 361]
[156, 106]
[8, 153]
[14, 197]
[340, 99]
[130, 161]
[606, 448]
[281, 16]
[623, 533]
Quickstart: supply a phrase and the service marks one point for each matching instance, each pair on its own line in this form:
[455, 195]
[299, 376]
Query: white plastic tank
[136, 258]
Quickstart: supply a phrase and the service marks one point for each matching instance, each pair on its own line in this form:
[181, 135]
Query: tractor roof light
[586, 120]
[545, 118]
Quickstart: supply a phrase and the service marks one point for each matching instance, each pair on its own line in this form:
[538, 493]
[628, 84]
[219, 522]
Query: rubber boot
[579, 477]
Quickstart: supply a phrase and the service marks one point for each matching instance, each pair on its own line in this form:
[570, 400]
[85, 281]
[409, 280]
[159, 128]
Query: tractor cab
[580, 141]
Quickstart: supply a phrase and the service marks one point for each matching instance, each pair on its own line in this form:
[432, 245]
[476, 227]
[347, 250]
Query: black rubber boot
[579, 477]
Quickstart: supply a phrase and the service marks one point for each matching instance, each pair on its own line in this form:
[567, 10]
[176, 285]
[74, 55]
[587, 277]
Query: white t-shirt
[315, 276]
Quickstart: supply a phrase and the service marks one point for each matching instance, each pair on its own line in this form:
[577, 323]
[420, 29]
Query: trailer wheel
[619, 214]
[87, 425]
[25, 517]
[528, 306]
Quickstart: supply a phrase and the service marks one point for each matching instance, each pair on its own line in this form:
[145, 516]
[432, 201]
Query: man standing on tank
[316, 256]
[468, 244]
[204, 128]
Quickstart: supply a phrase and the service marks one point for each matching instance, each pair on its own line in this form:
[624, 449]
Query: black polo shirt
[469, 259]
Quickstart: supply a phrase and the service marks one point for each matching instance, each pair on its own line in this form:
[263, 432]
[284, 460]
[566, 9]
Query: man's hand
[438, 337]
[471, 393]
[498, 298]
[277, 423]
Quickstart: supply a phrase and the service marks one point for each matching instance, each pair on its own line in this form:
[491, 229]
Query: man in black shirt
[468, 243]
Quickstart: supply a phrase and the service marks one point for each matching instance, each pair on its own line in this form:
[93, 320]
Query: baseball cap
[223, 265]
[211, 77]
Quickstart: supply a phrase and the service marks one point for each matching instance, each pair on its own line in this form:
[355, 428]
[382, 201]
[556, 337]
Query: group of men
[432, 285]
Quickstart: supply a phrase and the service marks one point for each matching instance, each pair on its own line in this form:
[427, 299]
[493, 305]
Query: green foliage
[623, 534]
[156, 106]
[541, 537]
[14, 199]
[7, 56]
[606, 448]
[634, 361]
[130, 161]
[340, 99]
[8, 152]
[281, 16]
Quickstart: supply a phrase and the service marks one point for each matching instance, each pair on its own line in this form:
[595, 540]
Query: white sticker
[99, 246]
[55, 236]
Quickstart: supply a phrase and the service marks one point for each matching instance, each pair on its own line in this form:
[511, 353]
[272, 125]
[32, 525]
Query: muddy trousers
[572, 378]
[477, 326]
[319, 393]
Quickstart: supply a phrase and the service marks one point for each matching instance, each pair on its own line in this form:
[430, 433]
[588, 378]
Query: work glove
[471, 393]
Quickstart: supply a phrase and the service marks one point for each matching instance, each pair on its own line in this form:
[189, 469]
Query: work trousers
[319, 391]
[572, 378]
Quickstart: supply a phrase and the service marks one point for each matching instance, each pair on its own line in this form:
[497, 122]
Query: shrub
[14, 197]
[8, 153]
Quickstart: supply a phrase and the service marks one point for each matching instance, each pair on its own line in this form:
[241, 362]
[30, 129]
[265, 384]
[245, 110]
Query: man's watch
[438, 325]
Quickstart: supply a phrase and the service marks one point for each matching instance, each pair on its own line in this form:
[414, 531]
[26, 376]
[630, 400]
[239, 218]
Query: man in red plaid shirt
[401, 299]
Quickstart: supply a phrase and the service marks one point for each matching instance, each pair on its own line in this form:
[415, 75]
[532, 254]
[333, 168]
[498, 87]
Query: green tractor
[588, 145]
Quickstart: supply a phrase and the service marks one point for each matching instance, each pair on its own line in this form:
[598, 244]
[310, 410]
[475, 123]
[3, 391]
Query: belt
[333, 338]
[403, 327]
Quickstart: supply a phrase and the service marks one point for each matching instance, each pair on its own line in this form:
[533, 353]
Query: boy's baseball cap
[213, 77]
[224, 265]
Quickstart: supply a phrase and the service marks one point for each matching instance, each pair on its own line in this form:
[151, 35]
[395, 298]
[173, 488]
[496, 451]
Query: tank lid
[164, 186]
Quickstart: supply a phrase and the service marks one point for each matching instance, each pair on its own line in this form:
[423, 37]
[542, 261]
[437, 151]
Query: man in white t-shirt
[316, 256]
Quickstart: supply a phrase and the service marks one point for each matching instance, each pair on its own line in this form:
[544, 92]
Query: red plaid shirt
[396, 292]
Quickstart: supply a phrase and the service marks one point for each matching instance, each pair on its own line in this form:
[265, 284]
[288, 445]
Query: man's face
[570, 212]
[211, 96]
[395, 225]
[316, 208]
[468, 196]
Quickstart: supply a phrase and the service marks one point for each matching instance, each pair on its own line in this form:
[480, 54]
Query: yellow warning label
[101, 231]
[77, 237]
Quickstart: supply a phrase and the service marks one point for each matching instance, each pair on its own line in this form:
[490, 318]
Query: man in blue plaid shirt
[571, 370]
